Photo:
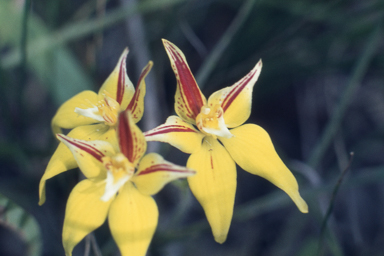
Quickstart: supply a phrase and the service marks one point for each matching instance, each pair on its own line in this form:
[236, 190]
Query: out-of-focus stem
[212, 59]
[357, 75]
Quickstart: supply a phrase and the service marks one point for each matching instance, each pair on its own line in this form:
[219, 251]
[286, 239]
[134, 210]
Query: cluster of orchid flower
[109, 149]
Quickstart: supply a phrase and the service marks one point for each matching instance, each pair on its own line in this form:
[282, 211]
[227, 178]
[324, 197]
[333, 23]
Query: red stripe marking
[162, 168]
[188, 87]
[133, 104]
[211, 162]
[237, 90]
[143, 74]
[85, 147]
[121, 81]
[169, 129]
[125, 135]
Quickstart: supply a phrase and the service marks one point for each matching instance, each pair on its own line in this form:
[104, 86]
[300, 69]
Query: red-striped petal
[131, 140]
[118, 86]
[136, 106]
[188, 98]
[88, 154]
[236, 100]
[178, 133]
[121, 79]
[154, 173]
[82, 145]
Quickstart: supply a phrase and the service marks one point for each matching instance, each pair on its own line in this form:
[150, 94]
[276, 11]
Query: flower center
[109, 109]
[105, 111]
[119, 171]
[210, 121]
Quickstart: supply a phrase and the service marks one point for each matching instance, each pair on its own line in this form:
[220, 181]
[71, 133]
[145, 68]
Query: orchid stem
[87, 248]
[331, 205]
[95, 246]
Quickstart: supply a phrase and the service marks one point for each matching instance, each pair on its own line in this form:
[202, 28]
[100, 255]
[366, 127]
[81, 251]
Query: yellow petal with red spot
[252, 149]
[214, 185]
[118, 86]
[133, 220]
[136, 106]
[188, 97]
[236, 100]
[84, 213]
[63, 159]
[67, 118]
[178, 133]
[154, 173]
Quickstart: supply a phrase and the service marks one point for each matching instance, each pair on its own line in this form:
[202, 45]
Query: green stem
[331, 205]
[212, 59]
[271, 202]
[358, 73]
[20, 114]
[82, 29]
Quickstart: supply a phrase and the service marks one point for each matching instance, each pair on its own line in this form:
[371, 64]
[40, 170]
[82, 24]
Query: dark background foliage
[320, 96]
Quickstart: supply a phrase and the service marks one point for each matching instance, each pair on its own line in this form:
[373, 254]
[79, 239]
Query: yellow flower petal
[252, 149]
[95, 132]
[84, 213]
[66, 117]
[214, 185]
[63, 160]
[178, 133]
[89, 154]
[118, 85]
[136, 106]
[236, 100]
[188, 97]
[133, 219]
[154, 173]
[131, 139]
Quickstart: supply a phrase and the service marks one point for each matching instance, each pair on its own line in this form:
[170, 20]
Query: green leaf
[57, 67]
[15, 218]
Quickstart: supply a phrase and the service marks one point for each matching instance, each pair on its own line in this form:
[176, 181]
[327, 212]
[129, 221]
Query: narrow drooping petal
[118, 85]
[214, 185]
[63, 159]
[236, 100]
[84, 213]
[188, 98]
[88, 154]
[136, 106]
[178, 133]
[252, 149]
[131, 139]
[133, 219]
[67, 118]
[154, 173]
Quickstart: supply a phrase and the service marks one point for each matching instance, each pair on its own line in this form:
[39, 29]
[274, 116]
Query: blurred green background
[320, 96]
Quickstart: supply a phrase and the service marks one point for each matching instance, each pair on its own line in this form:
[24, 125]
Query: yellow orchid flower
[203, 129]
[113, 189]
[93, 116]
